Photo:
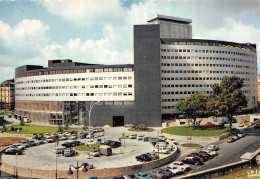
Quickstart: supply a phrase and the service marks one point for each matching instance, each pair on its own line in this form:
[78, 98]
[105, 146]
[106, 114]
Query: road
[230, 152]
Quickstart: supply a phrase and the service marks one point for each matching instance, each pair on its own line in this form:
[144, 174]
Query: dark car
[68, 144]
[130, 176]
[153, 155]
[119, 177]
[192, 161]
[82, 136]
[197, 156]
[143, 158]
[76, 142]
[13, 151]
[204, 153]
[40, 136]
[34, 136]
[112, 144]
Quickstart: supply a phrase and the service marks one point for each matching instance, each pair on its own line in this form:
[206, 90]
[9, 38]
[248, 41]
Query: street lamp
[84, 165]
[158, 149]
[92, 104]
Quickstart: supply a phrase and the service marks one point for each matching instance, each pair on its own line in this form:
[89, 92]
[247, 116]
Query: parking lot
[42, 156]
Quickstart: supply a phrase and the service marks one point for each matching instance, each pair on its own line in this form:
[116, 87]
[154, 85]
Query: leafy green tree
[193, 106]
[230, 97]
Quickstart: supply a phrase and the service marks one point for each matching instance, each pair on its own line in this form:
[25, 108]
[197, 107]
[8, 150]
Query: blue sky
[101, 31]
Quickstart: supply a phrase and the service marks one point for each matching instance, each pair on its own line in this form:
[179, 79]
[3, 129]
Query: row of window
[193, 85]
[206, 58]
[206, 65]
[194, 92]
[76, 87]
[79, 94]
[77, 79]
[206, 51]
[88, 70]
[207, 71]
[197, 78]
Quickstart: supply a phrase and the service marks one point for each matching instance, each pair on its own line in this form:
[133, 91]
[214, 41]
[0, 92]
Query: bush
[142, 127]
[20, 129]
[12, 128]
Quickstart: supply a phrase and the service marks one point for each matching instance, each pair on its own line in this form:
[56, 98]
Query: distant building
[258, 88]
[168, 65]
[7, 94]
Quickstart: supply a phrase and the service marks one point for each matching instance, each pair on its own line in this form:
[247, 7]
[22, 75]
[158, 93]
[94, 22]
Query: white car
[162, 150]
[21, 147]
[73, 137]
[211, 152]
[94, 153]
[64, 137]
[132, 136]
[172, 140]
[213, 147]
[90, 142]
[241, 124]
[181, 165]
[162, 137]
[176, 170]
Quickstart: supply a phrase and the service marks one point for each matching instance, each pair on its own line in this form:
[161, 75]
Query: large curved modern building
[168, 65]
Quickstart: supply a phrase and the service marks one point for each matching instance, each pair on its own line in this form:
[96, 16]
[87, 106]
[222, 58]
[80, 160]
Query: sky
[101, 31]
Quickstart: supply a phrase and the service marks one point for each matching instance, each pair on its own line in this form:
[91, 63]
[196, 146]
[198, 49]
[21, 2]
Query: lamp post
[158, 148]
[84, 165]
[92, 104]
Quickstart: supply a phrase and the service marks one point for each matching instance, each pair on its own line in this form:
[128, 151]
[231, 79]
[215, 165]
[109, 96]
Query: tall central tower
[147, 40]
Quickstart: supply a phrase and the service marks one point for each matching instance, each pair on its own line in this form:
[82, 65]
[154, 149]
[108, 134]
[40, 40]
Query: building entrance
[118, 121]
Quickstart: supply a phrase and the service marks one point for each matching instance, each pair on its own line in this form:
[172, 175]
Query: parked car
[167, 172]
[32, 142]
[236, 137]
[18, 146]
[153, 140]
[209, 124]
[140, 137]
[76, 143]
[64, 137]
[192, 161]
[142, 175]
[153, 155]
[49, 140]
[13, 151]
[162, 150]
[242, 134]
[185, 167]
[24, 143]
[143, 158]
[133, 136]
[146, 139]
[129, 176]
[82, 136]
[241, 124]
[94, 153]
[69, 152]
[34, 136]
[39, 142]
[196, 156]
[213, 147]
[113, 144]
[59, 150]
[162, 137]
[68, 144]
[157, 173]
[40, 136]
[173, 141]
[211, 153]
[176, 170]
[230, 140]
[73, 137]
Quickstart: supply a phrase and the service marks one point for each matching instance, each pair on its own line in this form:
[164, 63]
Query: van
[105, 150]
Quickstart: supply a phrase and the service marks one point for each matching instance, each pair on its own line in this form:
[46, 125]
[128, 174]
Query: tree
[230, 97]
[193, 105]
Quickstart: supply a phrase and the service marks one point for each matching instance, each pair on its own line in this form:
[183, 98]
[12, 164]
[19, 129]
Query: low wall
[14, 135]
[218, 171]
[106, 172]
[214, 138]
